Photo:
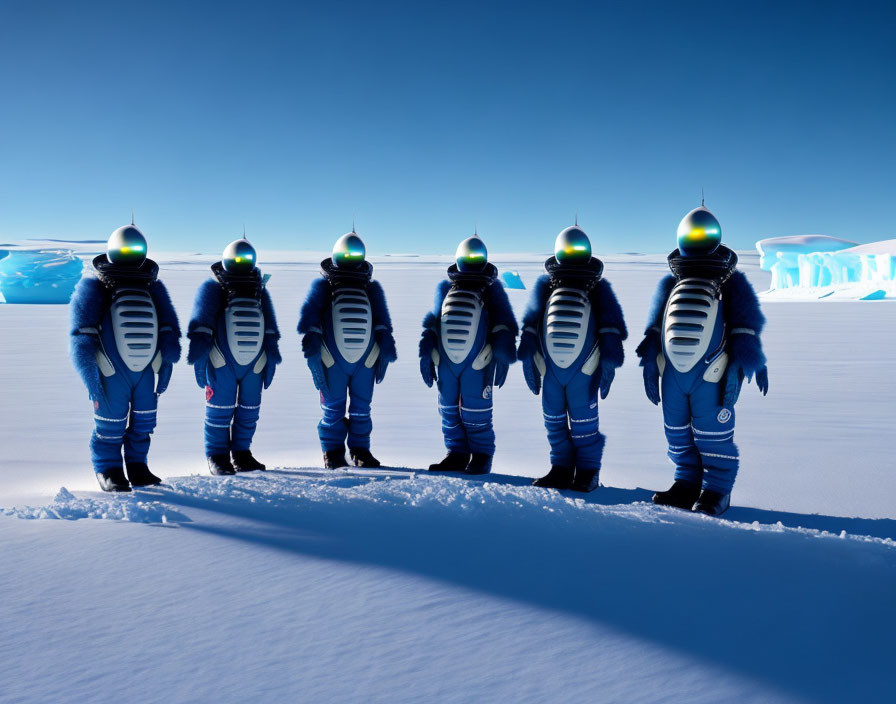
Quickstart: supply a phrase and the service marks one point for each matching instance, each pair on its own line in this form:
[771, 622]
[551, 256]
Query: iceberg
[781, 256]
[512, 279]
[39, 276]
[824, 266]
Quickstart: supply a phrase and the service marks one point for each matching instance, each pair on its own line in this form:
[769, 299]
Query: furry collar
[117, 276]
[357, 278]
[716, 267]
[473, 280]
[237, 285]
[584, 276]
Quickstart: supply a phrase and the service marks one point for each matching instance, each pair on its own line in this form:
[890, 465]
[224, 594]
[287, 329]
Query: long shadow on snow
[613, 496]
[807, 615]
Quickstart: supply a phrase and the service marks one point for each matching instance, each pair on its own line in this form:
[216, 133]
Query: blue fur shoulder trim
[311, 315]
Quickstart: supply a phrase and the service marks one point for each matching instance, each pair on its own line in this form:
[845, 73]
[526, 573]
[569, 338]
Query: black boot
[586, 480]
[681, 494]
[139, 474]
[712, 503]
[453, 462]
[113, 480]
[361, 457]
[220, 466]
[480, 463]
[243, 461]
[559, 477]
[334, 459]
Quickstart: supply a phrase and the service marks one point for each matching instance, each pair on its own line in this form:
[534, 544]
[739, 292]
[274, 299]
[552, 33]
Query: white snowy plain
[300, 584]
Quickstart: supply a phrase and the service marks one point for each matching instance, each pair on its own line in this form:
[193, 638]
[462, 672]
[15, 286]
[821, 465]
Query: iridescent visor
[699, 237]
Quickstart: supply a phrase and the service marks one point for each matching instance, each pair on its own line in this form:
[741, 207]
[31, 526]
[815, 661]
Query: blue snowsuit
[570, 348]
[125, 339]
[234, 352]
[348, 344]
[467, 361]
[702, 340]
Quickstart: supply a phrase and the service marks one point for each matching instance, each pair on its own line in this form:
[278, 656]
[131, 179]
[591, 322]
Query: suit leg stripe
[711, 432]
[723, 457]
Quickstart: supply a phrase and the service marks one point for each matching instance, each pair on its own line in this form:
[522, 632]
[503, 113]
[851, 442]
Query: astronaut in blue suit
[570, 349]
[234, 352]
[467, 346]
[348, 344]
[125, 339]
[702, 341]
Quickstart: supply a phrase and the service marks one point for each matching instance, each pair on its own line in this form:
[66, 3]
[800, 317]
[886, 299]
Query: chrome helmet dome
[699, 233]
[471, 255]
[572, 246]
[239, 257]
[126, 245]
[349, 251]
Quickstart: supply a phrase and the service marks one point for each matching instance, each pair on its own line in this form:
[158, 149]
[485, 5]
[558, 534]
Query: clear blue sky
[424, 119]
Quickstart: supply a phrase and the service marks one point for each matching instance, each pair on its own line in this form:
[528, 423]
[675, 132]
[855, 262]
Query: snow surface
[299, 584]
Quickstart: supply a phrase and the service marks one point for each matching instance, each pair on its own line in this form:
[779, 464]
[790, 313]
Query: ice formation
[512, 279]
[817, 261]
[39, 276]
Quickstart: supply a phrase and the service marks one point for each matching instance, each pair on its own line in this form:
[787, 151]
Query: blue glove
[428, 343]
[165, 372]
[501, 370]
[605, 374]
[269, 370]
[532, 376]
[318, 374]
[387, 354]
[200, 369]
[734, 379]
[428, 371]
[762, 380]
[311, 344]
[97, 394]
[652, 381]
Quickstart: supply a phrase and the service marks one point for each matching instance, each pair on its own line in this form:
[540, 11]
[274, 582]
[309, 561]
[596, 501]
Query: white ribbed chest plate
[566, 318]
[689, 322]
[244, 323]
[136, 327]
[461, 313]
[352, 323]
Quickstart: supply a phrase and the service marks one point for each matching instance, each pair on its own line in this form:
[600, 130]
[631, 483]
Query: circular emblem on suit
[487, 392]
[724, 416]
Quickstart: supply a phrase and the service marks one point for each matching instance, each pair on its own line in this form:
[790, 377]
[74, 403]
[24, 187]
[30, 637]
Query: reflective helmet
[239, 257]
[699, 233]
[126, 245]
[572, 246]
[472, 256]
[349, 251]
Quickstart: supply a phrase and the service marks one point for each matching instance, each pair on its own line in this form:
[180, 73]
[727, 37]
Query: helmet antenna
[577, 218]
[244, 230]
[353, 224]
[702, 198]
[132, 216]
[475, 229]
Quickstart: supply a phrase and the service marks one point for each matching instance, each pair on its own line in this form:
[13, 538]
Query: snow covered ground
[305, 585]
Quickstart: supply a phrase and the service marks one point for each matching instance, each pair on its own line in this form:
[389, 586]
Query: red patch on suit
[209, 392]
